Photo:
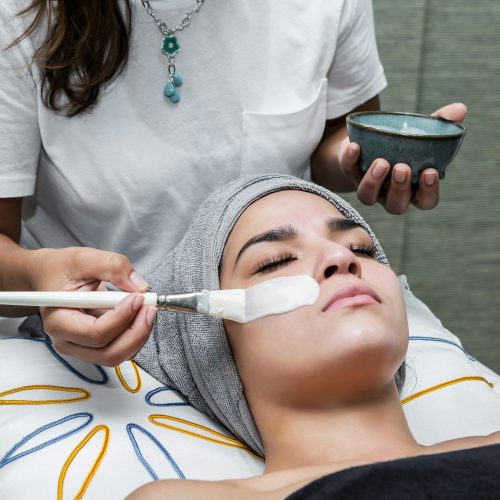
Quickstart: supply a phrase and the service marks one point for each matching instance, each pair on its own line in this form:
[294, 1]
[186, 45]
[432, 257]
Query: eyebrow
[282, 233]
[289, 233]
[336, 224]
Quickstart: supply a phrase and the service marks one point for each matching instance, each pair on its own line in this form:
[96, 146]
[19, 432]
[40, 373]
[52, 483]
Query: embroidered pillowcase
[68, 428]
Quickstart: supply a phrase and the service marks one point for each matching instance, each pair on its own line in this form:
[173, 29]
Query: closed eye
[364, 250]
[274, 263]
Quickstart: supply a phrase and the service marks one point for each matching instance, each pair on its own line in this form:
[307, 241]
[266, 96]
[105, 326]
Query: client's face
[339, 350]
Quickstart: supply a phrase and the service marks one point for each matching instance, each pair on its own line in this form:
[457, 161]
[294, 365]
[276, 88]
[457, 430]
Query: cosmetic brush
[274, 296]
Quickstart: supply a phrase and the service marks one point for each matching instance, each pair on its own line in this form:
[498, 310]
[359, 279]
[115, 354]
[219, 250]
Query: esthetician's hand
[103, 337]
[398, 196]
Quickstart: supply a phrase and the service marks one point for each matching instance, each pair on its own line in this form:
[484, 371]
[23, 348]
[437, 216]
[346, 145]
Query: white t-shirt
[260, 79]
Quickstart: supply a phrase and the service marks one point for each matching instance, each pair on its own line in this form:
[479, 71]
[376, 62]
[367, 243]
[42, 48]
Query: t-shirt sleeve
[356, 74]
[20, 141]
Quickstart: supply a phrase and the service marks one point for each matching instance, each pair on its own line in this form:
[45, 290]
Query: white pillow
[447, 393]
[133, 454]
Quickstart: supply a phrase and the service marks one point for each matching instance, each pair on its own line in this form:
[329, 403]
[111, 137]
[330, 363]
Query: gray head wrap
[192, 352]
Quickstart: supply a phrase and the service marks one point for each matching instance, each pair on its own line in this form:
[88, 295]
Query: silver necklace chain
[162, 26]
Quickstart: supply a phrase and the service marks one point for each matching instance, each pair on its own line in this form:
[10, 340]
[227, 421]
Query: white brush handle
[83, 300]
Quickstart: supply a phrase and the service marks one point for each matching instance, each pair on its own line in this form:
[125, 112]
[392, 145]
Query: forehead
[298, 208]
[286, 206]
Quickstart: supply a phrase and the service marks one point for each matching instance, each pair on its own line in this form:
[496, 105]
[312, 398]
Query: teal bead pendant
[177, 79]
[170, 89]
[170, 48]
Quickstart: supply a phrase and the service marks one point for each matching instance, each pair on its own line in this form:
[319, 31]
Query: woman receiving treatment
[314, 391]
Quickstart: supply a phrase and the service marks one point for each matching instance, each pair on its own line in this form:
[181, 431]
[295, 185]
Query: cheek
[396, 304]
[394, 310]
[272, 343]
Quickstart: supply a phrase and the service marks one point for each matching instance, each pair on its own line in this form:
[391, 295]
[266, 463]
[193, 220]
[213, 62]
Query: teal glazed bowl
[420, 141]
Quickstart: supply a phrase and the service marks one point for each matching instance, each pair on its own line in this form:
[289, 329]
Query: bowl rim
[350, 116]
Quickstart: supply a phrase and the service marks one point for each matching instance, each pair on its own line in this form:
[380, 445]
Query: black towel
[472, 474]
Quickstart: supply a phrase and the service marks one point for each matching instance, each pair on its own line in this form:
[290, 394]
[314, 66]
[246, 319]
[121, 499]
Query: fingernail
[399, 175]
[138, 301]
[429, 178]
[150, 316]
[138, 281]
[378, 170]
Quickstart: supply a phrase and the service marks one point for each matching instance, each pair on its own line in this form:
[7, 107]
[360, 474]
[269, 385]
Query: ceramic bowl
[420, 141]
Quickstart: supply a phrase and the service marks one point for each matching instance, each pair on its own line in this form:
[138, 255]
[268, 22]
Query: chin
[370, 320]
[378, 344]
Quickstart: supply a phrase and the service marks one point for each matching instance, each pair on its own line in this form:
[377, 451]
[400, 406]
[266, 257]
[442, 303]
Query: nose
[337, 259]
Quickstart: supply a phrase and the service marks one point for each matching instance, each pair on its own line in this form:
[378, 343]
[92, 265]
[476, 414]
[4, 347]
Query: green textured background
[436, 52]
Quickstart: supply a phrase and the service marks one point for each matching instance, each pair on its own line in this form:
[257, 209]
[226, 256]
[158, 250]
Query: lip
[351, 295]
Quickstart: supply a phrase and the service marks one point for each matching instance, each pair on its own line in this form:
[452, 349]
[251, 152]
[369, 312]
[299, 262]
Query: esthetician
[118, 118]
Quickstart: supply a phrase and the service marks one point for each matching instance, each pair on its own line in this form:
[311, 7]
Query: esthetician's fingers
[348, 159]
[427, 195]
[456, 112]
[399, 192]
[370, 187]
[123, 348]
[111, 267]
[97, 313]
[75, 326]
[82, 268]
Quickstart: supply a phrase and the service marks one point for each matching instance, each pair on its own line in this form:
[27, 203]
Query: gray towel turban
[192, 352]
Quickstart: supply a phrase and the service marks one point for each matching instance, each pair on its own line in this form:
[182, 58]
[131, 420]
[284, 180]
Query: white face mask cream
[274, 296]
[405, 129]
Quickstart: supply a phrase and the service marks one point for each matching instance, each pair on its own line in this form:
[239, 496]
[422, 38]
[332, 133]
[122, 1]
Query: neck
[361, 432]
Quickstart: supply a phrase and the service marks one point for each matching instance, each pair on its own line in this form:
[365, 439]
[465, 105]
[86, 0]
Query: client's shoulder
[191, 489]
[263, 487]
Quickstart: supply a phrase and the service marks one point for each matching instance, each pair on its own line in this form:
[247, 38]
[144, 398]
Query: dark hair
[400, 377]
[85, 48]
